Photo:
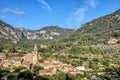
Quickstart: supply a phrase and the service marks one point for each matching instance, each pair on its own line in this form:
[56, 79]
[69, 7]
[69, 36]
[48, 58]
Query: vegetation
[11, 77]
[37, 68]
[19, 68]
[4, 70]
[88, 46]
[112, 74]
[26, 75]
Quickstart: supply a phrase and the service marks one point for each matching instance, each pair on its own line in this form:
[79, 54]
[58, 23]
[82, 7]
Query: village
[50, 66]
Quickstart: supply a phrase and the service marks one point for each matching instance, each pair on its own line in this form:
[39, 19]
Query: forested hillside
[99, 30]
[96, 45]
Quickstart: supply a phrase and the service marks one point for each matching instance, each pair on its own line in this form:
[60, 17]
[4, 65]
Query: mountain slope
[100, 30]
[16, 34]
[8, 32]
[46, 33]
[108, 25]
[90, 45]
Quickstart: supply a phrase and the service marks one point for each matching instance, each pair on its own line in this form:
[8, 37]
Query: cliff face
[8, 32]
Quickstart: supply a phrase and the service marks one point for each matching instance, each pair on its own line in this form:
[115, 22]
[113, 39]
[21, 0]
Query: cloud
[45, 5]
[14, 11]
[91, 3]
[76, 17]
[79, 14]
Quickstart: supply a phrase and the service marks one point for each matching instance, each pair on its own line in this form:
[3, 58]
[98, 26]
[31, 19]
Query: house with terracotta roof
[47, 72]
[80, 68]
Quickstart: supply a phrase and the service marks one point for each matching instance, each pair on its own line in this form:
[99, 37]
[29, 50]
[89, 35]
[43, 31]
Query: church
[28, 60]
[32, 57]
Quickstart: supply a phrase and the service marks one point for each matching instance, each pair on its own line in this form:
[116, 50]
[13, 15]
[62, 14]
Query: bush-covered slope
[106, 26]
[89, 45]
[99, 30]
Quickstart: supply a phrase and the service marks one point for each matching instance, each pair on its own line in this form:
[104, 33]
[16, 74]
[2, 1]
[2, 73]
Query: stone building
[32, 57]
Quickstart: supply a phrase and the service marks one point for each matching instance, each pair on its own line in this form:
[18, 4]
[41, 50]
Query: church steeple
[35, 50]
[35, 54]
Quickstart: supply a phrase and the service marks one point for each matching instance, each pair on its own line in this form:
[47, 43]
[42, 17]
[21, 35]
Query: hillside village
[91, 52]
[50, 66]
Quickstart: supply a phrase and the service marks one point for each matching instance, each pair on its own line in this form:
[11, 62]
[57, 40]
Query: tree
[41, 60]
[40, 78]
[1, 48]
[1, 75]
[79, 76]
[26, 75]
[4, 70]
[60, 76]
[37, 68]
[70, 77]
[11, 77]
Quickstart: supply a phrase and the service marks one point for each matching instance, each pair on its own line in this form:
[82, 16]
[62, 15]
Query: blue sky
[35, 14]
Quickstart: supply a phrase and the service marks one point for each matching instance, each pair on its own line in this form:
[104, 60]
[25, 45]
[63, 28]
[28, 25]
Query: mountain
[46, 33]
[9, 33]
[105, 29]
[95, 45]
[108, 25]
[99, 36]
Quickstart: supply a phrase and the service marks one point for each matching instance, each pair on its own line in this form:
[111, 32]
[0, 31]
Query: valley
[91, 52]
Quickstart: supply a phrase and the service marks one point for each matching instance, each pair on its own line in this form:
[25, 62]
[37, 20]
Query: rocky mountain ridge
[46, 33]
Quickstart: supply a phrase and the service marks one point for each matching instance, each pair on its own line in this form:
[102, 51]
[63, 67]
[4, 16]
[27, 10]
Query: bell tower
[35, 50]
[35, 54]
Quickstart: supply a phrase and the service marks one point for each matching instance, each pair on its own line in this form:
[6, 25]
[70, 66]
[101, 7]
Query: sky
[35, 14]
